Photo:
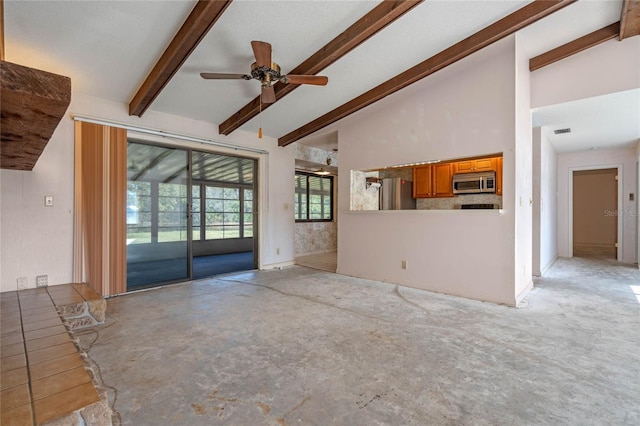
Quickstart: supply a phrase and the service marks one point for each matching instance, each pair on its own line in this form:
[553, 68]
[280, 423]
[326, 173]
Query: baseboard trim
[315, 252]
[544, 270]
[524, 293]
[277, 265]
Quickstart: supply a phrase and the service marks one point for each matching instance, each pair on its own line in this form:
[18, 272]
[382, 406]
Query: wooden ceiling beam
[377, 19]
[630, 19]
[201, 19]
[508, 25]
[33, 103]
[578, 45]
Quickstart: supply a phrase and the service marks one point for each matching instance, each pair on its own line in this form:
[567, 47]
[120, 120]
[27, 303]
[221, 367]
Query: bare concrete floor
[300, 346]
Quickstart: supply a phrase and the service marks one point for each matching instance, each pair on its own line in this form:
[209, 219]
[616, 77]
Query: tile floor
[43, 377]
[322, 261]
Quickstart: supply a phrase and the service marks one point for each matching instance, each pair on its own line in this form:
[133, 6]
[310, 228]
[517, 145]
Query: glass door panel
[157, 228]
[223, 214]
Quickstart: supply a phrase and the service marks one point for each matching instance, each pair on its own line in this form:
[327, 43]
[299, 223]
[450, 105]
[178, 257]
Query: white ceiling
[108, 48]
[600, 122]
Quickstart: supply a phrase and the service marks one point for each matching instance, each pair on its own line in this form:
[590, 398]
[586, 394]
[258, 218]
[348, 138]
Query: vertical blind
[100, 207]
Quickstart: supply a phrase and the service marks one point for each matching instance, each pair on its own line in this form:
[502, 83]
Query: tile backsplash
[363, 198]
[454, 203]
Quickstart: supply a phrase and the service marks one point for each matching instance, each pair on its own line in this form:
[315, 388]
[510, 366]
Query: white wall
[610, 67]
[464, 111]
[545, 215]
[523, 174]
[38, 240]
[536, 143]
[623, 158]
[548, 205]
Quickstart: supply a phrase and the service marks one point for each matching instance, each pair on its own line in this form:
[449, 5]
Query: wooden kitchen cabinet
[422, 182]
[433, 181]
[473, 166]
[442, 182]
[499, 176]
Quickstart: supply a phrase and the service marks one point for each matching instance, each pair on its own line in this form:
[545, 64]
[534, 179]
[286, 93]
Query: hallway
[301, 346]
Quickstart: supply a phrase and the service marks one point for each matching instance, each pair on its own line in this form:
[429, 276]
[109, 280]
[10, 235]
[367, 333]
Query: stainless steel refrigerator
[396, 194]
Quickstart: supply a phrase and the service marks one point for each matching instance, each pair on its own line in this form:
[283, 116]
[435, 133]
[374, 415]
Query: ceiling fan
[267, 73]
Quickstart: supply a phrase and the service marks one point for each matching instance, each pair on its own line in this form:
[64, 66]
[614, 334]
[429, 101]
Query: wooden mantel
[33, 103]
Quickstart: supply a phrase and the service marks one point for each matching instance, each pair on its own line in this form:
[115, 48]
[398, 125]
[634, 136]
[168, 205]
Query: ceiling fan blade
[262, 52]
[318, 80]
[223, 76]
[268, 95]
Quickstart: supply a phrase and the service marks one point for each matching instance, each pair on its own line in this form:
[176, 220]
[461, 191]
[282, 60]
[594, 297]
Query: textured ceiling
[596, 123]
[108, 48]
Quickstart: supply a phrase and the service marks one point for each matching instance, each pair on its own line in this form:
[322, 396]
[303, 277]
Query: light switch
[48, 201]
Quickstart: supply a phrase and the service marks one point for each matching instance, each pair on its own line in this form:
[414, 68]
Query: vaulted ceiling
[110, 49]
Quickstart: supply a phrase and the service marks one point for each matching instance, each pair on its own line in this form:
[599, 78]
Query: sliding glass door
[157, 223]
[223, 213]
[169, 242]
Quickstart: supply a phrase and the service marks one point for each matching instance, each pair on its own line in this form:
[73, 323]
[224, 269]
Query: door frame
[619, 223]
[259, 161]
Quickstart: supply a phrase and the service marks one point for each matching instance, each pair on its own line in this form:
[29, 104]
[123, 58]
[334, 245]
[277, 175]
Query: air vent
[561, 131]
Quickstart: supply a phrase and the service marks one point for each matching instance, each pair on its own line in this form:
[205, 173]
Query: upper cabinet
[422, 182]
[442, 182]
[499, 175]
[433, 180]
[473, 166]
[436, 180]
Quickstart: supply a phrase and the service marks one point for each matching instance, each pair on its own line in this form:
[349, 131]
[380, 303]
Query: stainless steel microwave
[474, 183]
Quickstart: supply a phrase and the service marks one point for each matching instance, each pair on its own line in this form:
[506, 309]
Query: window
[313, 198]
[138, 212]
[225, 211]
[172, 215]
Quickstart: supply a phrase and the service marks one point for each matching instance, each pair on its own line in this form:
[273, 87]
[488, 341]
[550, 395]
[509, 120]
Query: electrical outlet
[42, 280]
[22, 283]
[278, 251]
[404, 264]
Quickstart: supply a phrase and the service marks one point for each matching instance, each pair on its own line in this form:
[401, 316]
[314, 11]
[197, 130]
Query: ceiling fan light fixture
[267, 73]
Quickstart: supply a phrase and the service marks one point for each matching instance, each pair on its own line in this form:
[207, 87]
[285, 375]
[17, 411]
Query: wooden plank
[201, 19]
[33, 103]
[519, 19]
[630, 19]
[377, 19]
[578, 45]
